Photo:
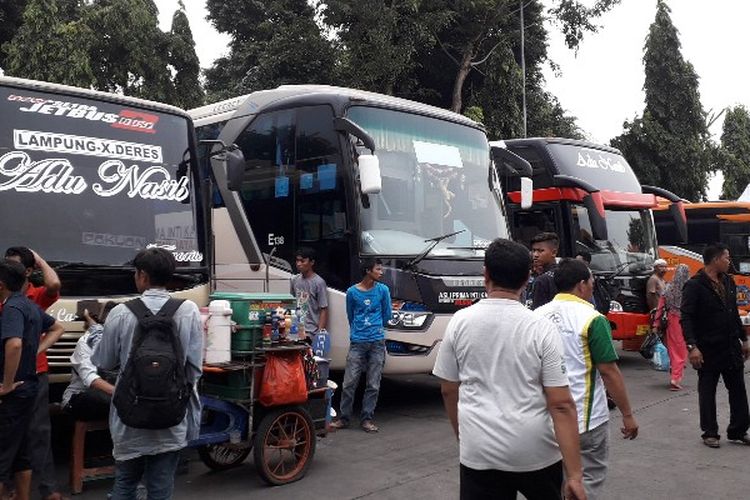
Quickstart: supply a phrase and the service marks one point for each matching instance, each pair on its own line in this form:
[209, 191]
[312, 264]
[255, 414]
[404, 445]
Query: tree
[11, 15]
[184, 63]
[735, 152]
[470, 31]
[131, 53]
[669, 145]
[378, 42]
[49, 47]
[274, 42]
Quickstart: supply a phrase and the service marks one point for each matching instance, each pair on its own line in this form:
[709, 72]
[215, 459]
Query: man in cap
[656, 284]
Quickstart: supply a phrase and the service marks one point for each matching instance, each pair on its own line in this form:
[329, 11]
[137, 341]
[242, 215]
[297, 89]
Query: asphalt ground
[416, 456]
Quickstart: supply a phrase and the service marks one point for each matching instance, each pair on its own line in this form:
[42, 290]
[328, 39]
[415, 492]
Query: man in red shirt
[40, 427]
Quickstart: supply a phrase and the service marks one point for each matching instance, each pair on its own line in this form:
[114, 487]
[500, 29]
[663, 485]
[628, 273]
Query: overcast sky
[602, 84]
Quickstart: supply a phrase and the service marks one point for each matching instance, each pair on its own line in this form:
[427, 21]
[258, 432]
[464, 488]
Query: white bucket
[219, 334]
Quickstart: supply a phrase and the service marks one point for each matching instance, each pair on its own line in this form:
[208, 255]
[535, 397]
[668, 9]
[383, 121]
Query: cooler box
[249, 312]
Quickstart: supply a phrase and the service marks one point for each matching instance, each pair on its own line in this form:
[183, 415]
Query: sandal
[674, 386]
[712, 442]
[337, 424]
[369, 426]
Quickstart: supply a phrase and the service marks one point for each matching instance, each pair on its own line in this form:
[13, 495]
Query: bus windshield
[631, 247]
[434, 182]
[86, 181]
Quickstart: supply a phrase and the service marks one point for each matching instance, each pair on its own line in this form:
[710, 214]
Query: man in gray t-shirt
[311, 292]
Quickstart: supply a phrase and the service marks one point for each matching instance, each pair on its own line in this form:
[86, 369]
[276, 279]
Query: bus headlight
[615, 306]
[409, 320]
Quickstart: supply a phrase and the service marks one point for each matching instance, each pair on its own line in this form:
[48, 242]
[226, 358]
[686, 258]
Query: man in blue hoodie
[368, 307]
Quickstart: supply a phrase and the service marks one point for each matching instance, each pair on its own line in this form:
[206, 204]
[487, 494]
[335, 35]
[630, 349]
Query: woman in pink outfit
[673, 339]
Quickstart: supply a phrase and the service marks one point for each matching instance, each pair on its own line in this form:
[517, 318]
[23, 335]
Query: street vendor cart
[248, 406]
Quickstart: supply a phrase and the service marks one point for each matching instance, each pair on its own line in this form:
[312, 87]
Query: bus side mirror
[370, 181]
[527, 192]
[235, 162]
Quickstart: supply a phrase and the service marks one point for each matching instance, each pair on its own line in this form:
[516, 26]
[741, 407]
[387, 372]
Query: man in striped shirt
[591, 362]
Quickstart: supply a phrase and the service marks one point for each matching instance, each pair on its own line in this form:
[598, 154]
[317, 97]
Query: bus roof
[542, 141]
[715, 206]
[55, 88]
[314, 94]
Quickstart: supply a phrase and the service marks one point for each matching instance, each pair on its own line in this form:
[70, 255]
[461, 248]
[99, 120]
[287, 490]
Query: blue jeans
[368, 357]
[157, 472]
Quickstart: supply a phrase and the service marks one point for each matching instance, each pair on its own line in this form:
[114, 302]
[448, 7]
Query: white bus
[427, 204]
[88, 179]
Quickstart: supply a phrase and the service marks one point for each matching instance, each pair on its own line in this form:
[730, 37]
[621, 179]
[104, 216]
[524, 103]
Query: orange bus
[727, 222]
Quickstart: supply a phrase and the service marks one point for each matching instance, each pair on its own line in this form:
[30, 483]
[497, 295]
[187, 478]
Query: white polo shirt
[504, 355]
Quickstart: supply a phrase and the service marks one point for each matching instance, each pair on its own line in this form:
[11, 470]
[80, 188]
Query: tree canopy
[734, 155]
[669, 146]
[456, 54]
[110, 45]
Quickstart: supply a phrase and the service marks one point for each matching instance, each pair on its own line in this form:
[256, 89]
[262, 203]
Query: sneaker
[742, 440]
[338, 423]
[711, 442]
[369, 426]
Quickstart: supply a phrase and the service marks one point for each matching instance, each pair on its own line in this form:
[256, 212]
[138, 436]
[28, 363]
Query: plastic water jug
[219, 336]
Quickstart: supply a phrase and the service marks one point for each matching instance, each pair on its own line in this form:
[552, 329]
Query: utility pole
[523, 68]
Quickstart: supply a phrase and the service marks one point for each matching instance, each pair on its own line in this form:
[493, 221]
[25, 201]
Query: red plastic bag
[283, 380]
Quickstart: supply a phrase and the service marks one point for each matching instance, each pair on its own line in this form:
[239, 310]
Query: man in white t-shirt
[505, 389]
[592, 366]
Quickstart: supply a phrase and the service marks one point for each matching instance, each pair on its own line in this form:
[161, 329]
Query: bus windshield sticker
[282, 187]
[56, 175]
[327, 176]
[589, 158]
[88, 146]
[126, 119]
[438, 154]
[306, 181]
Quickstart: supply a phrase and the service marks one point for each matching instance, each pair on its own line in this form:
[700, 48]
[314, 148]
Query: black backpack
[153, 391]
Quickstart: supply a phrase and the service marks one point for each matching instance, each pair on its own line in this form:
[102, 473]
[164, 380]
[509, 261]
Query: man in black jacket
[717, 344]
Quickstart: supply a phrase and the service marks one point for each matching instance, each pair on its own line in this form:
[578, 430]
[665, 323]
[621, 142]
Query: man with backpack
[158, 344]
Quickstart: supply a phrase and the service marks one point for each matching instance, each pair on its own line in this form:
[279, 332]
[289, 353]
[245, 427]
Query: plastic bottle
[275, 328]
[267, 330]
[294, 326]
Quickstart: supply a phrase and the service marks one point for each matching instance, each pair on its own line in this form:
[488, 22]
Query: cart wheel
[284, 445]
[222, 457]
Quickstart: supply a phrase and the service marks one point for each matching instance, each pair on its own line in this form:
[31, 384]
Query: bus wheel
[222, 457]
[284, 445]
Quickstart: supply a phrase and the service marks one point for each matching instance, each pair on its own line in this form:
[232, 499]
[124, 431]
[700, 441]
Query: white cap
[660, 262]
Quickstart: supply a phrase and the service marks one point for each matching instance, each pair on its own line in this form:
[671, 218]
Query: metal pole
[523, 69]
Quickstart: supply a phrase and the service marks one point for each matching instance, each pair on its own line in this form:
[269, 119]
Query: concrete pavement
[416, 456]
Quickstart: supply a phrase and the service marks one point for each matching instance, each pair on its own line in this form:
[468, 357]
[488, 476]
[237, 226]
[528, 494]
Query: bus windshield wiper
[432, 244]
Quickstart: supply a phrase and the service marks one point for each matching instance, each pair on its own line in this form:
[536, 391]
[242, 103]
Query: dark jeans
[40, 437]
[368, 357]
[15, 456]
[734, 381]
[157, 472]
[544, 484]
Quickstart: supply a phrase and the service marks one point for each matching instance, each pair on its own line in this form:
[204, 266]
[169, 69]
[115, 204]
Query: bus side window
[320, 193]
[210, 132]
[268, 146]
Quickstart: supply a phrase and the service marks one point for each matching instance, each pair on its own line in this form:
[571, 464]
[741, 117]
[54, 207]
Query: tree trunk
[458, 85]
